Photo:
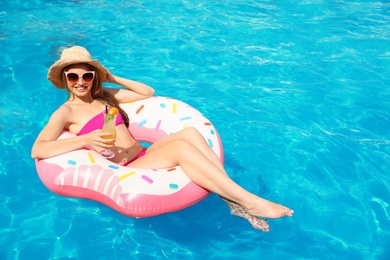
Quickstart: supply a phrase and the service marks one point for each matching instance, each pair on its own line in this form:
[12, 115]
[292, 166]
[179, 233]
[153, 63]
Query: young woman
[82, 77]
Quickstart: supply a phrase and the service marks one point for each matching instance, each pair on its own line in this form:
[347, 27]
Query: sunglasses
[74, 77]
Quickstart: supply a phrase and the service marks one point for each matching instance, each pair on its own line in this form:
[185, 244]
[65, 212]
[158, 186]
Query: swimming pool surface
[298, 90]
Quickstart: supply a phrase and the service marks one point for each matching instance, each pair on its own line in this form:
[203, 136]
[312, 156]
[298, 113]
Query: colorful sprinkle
[158, 125]
[90, 156]
[139, 109]
[126, 175]
[163, 105]
[173, 186]
[174, 108]
[147, 179]
[71, 162]
[210, 142]
[171, 169]
[113, 167]
[212, 132]
[185, 118]
[207, 123]
[141, 123]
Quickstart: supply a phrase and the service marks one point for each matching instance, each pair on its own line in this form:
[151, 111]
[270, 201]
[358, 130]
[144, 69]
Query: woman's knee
[191, 133]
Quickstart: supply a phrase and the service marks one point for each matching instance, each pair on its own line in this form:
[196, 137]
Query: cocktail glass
[109, 127]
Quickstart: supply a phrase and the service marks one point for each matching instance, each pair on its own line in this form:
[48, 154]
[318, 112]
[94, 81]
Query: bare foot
[256, 222]
[267, 209]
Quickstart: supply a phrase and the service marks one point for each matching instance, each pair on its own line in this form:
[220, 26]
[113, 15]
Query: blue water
[299, 92]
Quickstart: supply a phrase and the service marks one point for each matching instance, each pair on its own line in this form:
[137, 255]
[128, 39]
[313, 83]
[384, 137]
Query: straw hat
[74, 55]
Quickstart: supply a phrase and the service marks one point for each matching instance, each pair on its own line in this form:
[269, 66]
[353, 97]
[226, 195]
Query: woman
[82, 77]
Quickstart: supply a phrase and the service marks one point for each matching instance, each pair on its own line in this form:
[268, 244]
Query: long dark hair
[98, 93]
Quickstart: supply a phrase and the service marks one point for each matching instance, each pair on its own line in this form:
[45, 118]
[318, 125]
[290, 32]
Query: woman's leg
[205, 173]
[192, 136]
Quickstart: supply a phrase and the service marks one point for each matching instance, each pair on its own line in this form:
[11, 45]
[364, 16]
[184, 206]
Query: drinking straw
[106, 109]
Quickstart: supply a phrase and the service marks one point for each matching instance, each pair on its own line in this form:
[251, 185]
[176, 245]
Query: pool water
[299, 92]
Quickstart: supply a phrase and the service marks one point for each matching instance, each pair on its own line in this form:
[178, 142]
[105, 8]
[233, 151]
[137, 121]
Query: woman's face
[79, 79]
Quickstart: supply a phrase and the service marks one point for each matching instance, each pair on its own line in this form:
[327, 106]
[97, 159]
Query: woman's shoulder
[65, 115]
[63, 112]
[64, 109]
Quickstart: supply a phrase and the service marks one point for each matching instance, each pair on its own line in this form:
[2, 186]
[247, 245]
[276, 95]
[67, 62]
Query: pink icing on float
[130, 191]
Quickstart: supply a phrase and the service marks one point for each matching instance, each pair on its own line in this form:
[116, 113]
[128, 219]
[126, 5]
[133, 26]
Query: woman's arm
[47, 146]
[137, 89]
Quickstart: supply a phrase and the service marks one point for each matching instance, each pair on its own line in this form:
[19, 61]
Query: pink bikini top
[97, 123]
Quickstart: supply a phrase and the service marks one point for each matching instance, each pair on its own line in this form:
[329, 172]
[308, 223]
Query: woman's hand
[99, 140]
[110, 77]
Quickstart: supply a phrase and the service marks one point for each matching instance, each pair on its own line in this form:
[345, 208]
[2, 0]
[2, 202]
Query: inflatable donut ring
[133, 192]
